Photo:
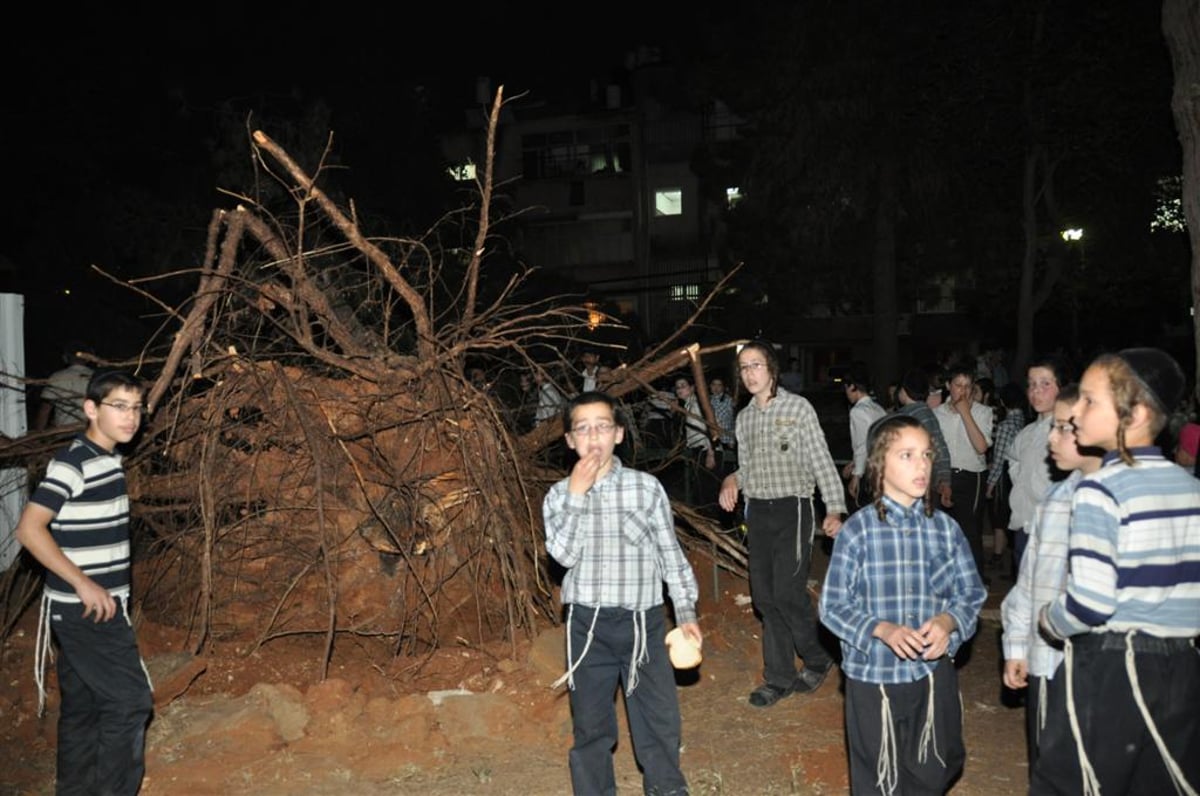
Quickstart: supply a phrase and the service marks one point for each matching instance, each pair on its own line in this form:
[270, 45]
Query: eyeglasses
[755, 366]
[584, 430]
[1066, 427]
[125, 409]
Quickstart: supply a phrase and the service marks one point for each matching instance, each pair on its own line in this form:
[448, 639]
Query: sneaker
[766, 695]
[810, 680]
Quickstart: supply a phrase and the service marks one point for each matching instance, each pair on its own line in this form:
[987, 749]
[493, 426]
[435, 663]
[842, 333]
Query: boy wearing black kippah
[1131, 608]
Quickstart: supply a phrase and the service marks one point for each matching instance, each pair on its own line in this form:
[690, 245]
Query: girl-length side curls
[880, 437]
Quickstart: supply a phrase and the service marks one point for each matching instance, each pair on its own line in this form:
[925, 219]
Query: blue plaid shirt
[905, 569]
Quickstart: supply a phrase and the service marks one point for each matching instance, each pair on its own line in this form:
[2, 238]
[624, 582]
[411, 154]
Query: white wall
[13, 417]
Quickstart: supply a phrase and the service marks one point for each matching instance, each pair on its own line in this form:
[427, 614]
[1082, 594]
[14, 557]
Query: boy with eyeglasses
[76, 524]
[1030, 661]
[782, 458]
[611, 527]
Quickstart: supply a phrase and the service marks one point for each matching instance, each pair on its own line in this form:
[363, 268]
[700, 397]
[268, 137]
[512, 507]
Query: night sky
[113, 107]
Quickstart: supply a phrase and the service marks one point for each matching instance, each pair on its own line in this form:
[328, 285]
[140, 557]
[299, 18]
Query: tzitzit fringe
[928, 733]
[1091, 785]
[1042, 692]
[812, 530]
[641, 653]
[568, 677]
[42, 653]
[1182, 786]
[141, 660]
[887, 774]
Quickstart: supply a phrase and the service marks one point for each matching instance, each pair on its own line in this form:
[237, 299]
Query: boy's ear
[90, 409]
[1139, 418]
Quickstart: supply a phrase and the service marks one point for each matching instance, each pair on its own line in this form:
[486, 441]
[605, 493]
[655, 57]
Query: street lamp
[1073, 237]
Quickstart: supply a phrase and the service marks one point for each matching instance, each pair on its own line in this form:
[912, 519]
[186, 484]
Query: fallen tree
[315, 461]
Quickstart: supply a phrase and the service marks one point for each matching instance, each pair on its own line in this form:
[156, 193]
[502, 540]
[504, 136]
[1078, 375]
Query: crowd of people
[1095, 532]
[1090, 480]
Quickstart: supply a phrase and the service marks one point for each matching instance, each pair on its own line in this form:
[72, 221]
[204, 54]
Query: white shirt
[550, 402]
[863, 413]
[65, 390]
[697, 430]
[963, 455]
[589, 378]
[1029, 470]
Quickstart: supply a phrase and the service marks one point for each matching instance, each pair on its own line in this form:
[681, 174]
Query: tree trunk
[886, 323]
[1181, 28]
[1025, 308]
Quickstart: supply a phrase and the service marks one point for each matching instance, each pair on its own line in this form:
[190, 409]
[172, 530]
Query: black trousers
[1116, 739]
[652, 708]
[917, 771]
[780, 546]
[106, 704]
[967, 492]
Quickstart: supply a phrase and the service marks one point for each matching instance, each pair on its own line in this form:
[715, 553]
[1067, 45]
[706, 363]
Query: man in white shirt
[62, 397]
[864, 410]
[967, 427]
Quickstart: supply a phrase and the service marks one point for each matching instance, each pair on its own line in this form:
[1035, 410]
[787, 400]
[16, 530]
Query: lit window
[732, 196]
[462, 172]
[668, 202]
[685, 292]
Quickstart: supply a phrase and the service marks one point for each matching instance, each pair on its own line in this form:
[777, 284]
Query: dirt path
[482, 721]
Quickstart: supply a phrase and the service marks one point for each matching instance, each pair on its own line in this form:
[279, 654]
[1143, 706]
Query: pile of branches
[315, 461]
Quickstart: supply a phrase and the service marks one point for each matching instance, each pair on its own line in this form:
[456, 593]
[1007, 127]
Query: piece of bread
[683, 652]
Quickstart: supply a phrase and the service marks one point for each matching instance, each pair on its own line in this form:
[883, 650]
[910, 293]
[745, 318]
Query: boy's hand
[944, 494]
[729, 493]
[906, 642]
[584, 473]
[692, 631]
[1016, 673]
[97, 602]
[936, 636]
[831, 525]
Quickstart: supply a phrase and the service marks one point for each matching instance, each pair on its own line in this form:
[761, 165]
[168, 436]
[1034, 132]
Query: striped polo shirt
[1134, 551]
[85, 488]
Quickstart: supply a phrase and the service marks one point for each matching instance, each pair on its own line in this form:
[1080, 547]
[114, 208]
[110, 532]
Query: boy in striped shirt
[1131, 609]
[76, 525]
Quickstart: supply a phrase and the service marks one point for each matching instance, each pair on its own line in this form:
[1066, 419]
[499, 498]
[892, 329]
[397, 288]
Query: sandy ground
[478, 720]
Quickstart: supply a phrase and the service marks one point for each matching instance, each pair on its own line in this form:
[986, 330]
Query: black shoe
[809, 680]
[766, 695]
